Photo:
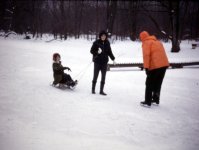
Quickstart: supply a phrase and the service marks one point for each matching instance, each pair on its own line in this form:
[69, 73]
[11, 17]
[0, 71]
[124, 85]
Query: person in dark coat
[101, 50]
[58, 72]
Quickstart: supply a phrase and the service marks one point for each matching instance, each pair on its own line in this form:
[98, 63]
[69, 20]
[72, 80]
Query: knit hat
[55, 56]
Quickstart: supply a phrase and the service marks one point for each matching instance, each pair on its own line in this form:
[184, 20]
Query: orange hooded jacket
[154, 55]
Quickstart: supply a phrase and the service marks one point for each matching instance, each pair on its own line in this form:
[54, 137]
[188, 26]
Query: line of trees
[167, 19]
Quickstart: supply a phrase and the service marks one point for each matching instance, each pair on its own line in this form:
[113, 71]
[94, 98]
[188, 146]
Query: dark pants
[97, 69]
[154, 81]
[66, 78]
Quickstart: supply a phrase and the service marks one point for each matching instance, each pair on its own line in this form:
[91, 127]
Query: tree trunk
[2, 14]
[133, 5]
[62, 20]
[80, 19]
[111, 13]
[174, 16]
[97, 20]
[197, 23]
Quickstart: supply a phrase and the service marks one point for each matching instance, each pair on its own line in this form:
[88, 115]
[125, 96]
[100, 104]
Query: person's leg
[159, 76]
[66, 79]
[93, 87]
[103, 77]
[149, 88]
[95, 76]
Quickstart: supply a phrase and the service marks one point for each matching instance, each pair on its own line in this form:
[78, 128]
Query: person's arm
[94, 49]
[67, 68]
[146, 54]
[110, 53]
[59, 67]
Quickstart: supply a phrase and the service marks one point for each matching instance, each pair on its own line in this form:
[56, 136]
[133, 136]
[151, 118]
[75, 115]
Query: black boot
[148, 97]
[156, 98]
[93, 87]
[71, 83]
[102, 89]
[145, 104]
[74, 83]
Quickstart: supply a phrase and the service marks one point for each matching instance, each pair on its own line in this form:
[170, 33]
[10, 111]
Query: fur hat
[103, 32]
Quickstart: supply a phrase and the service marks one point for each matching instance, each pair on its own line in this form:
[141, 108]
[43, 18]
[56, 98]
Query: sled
[64, 86]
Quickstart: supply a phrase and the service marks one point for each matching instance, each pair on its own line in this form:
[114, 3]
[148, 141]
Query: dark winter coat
[106, 51]
[58, 72]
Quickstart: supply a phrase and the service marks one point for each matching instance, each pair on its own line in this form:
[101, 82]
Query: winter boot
[93, 87]
[145, 104]
[102, 89]
[156, 98]
[74, 83]
[148, 96]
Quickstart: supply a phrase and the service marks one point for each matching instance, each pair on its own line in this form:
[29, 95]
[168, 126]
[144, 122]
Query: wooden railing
[140, 65]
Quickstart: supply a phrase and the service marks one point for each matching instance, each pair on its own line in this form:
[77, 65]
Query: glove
[67, 68]
[114, 62]
[99, 51]
[147, 71]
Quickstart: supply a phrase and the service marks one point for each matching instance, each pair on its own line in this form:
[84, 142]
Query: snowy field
[36, 116]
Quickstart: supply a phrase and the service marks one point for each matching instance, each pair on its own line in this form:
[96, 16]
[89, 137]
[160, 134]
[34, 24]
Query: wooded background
[173, 20]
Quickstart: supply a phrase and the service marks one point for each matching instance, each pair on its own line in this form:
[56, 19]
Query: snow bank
[37, 116]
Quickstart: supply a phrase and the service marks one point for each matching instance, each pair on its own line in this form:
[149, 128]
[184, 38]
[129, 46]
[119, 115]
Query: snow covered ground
[36, 116]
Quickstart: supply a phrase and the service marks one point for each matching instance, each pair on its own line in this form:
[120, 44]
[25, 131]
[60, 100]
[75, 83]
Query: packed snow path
[36, 116]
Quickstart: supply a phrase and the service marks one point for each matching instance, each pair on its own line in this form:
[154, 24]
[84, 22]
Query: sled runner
[67, 85]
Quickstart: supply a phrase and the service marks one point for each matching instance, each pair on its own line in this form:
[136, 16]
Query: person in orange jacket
[155, 64]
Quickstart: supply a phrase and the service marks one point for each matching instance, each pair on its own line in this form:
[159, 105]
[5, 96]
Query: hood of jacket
[144, 35]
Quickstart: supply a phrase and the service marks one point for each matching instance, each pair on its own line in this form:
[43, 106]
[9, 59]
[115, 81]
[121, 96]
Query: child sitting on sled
[60, 77]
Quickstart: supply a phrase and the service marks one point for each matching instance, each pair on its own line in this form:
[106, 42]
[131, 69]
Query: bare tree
[132, 15]
[111, 13]
[80, 18]
[63, 26]
[166, 19]
[2, 14]
[97, 18]
[173, 11]
[174, 19]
